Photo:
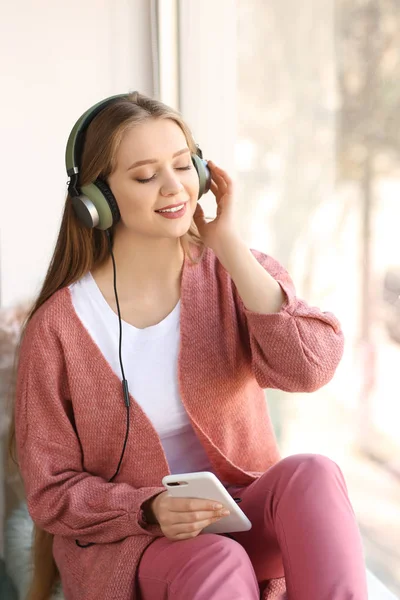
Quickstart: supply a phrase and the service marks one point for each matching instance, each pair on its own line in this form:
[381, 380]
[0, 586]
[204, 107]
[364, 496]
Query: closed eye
[154, 176]
[146, 180]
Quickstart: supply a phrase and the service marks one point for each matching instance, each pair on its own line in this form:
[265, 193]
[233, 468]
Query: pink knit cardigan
[70, 416]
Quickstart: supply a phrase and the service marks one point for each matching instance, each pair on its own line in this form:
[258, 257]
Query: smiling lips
[174, 211]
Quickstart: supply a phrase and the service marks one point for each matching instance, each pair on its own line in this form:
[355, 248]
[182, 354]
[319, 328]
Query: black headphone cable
[125, 388]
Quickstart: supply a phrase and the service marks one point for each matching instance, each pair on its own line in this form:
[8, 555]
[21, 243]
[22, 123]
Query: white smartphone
[207, 486]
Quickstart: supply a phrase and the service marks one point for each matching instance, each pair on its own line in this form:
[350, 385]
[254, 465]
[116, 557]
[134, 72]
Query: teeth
[172, 209]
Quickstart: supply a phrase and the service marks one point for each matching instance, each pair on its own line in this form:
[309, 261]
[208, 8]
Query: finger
[220, 182]
[219, 193]
[227, 186]
[192, 504]
[220, 175]
[199, 515]
[191, 528]
[219, 170]
[213, 187]
[217, 176]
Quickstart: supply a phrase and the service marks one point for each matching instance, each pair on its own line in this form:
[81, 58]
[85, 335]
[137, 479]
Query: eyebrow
[149, 161]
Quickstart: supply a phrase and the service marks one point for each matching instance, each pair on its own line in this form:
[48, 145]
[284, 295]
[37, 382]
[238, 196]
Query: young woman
[206, 325]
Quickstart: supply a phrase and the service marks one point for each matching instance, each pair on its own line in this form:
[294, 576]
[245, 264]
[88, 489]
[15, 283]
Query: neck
[144, 264]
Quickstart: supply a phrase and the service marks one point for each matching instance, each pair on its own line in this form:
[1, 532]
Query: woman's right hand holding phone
[184, 518]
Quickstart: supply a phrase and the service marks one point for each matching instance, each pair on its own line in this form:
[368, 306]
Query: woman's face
[155, 172]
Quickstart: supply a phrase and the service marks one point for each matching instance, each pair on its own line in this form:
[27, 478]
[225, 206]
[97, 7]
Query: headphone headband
[73, 152]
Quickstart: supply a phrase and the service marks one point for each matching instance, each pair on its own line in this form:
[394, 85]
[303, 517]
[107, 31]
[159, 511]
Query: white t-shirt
[150, 359]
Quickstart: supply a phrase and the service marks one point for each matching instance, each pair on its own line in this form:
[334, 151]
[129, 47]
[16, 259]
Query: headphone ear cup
[112, 204]
[204, 174]
[96, 206]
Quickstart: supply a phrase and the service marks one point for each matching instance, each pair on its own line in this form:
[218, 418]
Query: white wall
[208, 87]
[57, 58]
[60, 57]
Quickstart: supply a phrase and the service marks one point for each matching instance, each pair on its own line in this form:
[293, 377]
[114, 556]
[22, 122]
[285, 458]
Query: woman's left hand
[220, 230]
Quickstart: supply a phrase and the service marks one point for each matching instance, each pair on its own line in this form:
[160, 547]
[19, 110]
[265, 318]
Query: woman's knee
[310, 462]
[210, 548]
[201, 565]
[224, 549]
[315, 466]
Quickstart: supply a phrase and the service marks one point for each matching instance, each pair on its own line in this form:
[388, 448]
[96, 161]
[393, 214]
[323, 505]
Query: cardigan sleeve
[62, 498]
[297, 349]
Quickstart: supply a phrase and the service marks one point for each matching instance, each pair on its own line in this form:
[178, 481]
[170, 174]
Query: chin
[179, 233]
[177, 230]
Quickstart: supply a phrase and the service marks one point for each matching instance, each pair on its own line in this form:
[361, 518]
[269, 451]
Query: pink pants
[304, 528]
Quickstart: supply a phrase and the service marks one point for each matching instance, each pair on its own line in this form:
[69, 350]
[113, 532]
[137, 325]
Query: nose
[171, 185]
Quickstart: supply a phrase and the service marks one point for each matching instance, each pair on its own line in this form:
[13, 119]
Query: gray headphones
[94, 203]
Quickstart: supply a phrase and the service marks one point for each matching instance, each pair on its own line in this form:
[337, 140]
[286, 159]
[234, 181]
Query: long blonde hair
[79, 250]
